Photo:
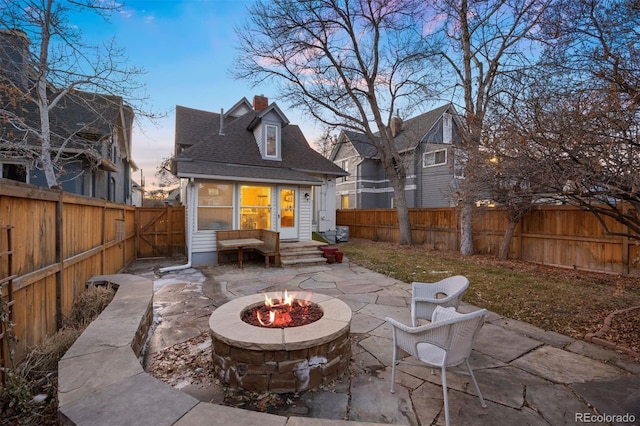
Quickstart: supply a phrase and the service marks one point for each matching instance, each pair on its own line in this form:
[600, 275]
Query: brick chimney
[260, 102]
[396, 125]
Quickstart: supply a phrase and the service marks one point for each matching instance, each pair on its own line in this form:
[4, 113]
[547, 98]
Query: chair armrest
[438, 300]
[407, 338]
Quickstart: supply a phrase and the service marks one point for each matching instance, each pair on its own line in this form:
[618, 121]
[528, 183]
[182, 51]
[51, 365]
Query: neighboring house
[137, 194]
[91, 133]
[249, 168]
[173, 197]
[428, 144]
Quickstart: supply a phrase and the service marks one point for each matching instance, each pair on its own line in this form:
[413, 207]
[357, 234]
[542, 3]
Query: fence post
[626, 261]
[170, 249]
[59, 257]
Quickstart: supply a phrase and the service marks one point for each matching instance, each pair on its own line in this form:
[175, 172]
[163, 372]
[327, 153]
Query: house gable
[241, 107]
[267, 131]
[427, 144]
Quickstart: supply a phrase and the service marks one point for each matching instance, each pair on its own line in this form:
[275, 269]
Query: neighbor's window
[345, 167]
[13, 171]
[271, 142]
[215, 206]
[434, 158]
[344, 202]
[255, 207]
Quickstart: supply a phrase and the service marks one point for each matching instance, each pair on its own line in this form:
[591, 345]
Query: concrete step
[305, 253]
[302, 261]
[301, 253]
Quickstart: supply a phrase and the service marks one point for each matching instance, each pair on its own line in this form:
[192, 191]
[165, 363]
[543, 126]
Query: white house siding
[325, 205]
[258, 134]
[304, 214]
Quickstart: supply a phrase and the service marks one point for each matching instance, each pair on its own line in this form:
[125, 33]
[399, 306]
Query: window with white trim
[434, 158]
[271, 141]
[345, 167]
[255, 207]
[215, 206]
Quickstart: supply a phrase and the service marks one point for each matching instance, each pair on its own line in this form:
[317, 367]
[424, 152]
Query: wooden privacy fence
[562, 236]
[58, 241]
[161, 232]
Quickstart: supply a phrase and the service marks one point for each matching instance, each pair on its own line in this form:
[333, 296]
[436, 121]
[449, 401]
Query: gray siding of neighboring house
[383, 193]
[436, 181]
[371, 177]
[346, 186]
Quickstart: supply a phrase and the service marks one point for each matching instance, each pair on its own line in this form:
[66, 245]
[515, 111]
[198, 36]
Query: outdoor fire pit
[292, 350]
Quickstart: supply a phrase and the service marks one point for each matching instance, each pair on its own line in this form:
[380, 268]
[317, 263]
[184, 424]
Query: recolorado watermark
[604, 418]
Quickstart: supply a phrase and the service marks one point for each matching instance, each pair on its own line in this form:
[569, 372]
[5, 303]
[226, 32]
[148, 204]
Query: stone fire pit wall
[280, 360]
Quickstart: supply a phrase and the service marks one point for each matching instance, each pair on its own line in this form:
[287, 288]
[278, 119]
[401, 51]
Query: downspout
[191, 212]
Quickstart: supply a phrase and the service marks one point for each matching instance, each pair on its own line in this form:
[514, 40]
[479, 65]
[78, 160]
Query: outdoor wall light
[306, 196]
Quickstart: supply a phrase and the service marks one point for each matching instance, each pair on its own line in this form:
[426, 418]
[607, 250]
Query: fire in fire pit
[285, 311]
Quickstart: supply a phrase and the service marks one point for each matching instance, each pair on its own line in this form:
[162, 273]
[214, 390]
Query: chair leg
[475, 382]
[393, 370]
[445, 395]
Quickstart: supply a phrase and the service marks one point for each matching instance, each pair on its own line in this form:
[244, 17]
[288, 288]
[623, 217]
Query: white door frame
[288, 232]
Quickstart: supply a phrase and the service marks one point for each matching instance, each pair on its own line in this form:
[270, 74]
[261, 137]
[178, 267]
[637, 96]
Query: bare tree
[481, 43]
[580, 113]
[56, 69]
[350, 64]
[326, 142]
[507, 174]
[166, 173]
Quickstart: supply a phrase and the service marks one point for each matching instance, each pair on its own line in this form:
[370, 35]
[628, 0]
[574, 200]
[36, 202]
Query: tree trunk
[404, 224]
[503, 251]
[45, 153]
[398, 182]
[466, 234]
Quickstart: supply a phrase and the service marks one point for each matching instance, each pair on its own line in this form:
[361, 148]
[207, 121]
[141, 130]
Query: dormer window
[271, 141]
[267, 129]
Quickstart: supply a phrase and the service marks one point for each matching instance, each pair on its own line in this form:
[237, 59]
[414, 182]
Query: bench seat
[270, 249]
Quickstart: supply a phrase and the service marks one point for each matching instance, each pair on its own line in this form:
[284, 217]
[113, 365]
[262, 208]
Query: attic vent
[447, 128]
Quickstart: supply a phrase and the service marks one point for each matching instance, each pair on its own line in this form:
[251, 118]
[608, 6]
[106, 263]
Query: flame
[280, 308]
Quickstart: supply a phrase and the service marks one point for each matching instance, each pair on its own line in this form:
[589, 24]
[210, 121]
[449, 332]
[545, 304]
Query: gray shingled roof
[236, 154]
[410, 135]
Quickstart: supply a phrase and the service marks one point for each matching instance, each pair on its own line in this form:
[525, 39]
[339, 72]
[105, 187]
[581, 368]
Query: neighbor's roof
[411, 134]
[235, 152]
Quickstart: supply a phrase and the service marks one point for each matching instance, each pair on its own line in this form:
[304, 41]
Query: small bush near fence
[30, 393]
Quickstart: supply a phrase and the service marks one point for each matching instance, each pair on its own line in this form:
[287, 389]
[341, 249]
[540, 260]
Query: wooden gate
[160, 232]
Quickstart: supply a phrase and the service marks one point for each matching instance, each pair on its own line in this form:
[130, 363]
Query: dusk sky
[187, 48]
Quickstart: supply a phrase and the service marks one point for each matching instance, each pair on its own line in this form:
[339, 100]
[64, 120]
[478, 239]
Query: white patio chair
[426, 296]
[445, 342]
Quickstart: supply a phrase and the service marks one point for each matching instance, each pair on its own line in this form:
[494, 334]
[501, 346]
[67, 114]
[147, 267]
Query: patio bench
[270, 249]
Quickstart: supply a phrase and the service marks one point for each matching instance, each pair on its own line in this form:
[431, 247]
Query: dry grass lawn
[569, 302]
